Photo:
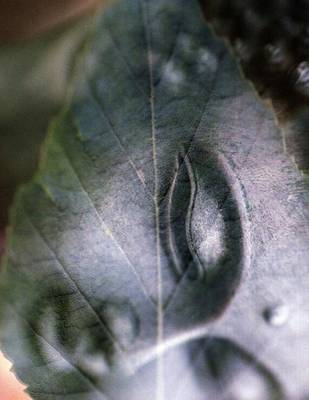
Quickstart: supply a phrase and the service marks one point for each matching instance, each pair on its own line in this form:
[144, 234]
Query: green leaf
[163, 244]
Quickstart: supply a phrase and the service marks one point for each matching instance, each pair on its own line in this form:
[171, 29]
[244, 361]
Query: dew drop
[277, 315]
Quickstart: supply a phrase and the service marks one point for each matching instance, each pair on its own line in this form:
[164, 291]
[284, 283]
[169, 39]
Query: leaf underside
[161, 251]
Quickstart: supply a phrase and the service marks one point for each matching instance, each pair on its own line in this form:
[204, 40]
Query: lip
[20, 20]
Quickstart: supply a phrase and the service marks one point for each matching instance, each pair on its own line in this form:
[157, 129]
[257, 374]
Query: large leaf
[161, 252]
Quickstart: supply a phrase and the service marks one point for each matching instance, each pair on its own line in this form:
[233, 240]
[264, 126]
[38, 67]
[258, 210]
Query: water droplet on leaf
[277, 315]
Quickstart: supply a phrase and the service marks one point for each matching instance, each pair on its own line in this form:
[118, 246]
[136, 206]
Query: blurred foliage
[271, 41]
[33, 82]
[21, 19]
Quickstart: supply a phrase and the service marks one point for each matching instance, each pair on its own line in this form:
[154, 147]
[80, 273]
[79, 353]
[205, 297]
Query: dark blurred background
[20, 19]
[38, 41]
[270, 39]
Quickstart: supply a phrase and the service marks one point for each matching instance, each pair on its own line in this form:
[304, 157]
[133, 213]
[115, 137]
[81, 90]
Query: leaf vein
[160, 317]
[76, 285]
[107, 229]
[63, 356]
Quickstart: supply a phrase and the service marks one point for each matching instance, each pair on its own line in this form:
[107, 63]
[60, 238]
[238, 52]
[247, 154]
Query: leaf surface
[163, 228]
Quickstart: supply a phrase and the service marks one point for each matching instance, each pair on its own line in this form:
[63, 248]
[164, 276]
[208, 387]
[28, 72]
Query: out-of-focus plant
[38, 43]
